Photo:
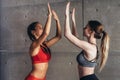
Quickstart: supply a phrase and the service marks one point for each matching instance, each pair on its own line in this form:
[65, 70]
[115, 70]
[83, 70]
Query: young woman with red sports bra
[39, 49]
[87, 58]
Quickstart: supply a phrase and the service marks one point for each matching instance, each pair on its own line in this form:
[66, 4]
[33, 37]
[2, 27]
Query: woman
[39, 49]
[89, 55]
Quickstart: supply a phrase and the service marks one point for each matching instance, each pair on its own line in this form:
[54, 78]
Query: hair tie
[103, 31]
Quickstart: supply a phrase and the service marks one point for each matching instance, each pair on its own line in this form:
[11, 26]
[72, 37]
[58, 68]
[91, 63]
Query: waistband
[31, 77]
[89, 77]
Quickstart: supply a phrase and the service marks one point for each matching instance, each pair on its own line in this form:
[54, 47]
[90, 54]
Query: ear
[92, 33]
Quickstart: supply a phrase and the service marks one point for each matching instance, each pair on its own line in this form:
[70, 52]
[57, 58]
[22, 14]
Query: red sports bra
[41, 57]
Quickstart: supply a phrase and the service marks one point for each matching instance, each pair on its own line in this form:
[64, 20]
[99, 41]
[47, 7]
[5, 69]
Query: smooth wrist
[50, 15]
[57, 20]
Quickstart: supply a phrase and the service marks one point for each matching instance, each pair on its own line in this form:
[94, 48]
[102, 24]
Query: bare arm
[67, 23]
[58, 31]
[80, 43]
[46, 29]
[74, 30]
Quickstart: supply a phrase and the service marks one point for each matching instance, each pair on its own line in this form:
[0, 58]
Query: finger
[67, 8]
[48, 5]
[73, 12]
[68, 4]
[53, 11]
[49, 8]
[73, 15]
[54, 14]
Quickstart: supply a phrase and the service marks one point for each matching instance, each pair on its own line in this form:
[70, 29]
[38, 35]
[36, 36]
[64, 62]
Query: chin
[84, 35]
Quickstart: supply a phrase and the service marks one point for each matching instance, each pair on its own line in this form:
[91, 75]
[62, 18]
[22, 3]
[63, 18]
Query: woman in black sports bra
[88, 57]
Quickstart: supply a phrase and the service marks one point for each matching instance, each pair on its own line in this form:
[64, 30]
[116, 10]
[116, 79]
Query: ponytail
[104, 49]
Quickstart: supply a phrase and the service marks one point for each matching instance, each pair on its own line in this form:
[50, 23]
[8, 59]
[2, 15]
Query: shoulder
[34, 49]
[86, 46]
[91, 51]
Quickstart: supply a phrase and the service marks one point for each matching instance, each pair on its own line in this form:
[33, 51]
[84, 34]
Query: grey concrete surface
[16, 15]
[106, 11]
[25, 15]
[63, 66]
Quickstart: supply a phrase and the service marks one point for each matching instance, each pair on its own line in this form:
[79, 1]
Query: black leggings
[89, 77]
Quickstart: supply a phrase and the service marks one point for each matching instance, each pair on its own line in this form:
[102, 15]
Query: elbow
[46, 34]
[67, 35]
[59, 37]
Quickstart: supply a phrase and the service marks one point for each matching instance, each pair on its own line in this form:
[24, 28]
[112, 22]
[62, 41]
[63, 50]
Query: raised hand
[58, 35]
[68, 8]
[55, 15]
[73, 15]
[49, 9]
[74, 30]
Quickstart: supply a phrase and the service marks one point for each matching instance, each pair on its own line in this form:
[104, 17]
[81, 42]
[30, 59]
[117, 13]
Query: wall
[16, 15]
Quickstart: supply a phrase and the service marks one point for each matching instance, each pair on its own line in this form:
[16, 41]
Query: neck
[92, 40]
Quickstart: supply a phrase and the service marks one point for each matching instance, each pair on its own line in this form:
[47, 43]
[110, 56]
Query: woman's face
[38, 30]
[87, 31]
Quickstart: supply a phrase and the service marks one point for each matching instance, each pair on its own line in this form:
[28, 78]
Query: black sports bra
[84, 62]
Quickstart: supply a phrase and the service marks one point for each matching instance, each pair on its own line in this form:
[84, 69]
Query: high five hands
[52, 12]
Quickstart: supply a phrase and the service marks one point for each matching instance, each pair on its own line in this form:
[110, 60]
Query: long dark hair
[29, 30]
[101, 34]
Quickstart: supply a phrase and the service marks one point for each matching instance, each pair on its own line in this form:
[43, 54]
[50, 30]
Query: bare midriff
[39, 70]
[84, 71]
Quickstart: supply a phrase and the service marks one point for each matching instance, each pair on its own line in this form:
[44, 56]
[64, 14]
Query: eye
[39, 27]
[85, 28]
